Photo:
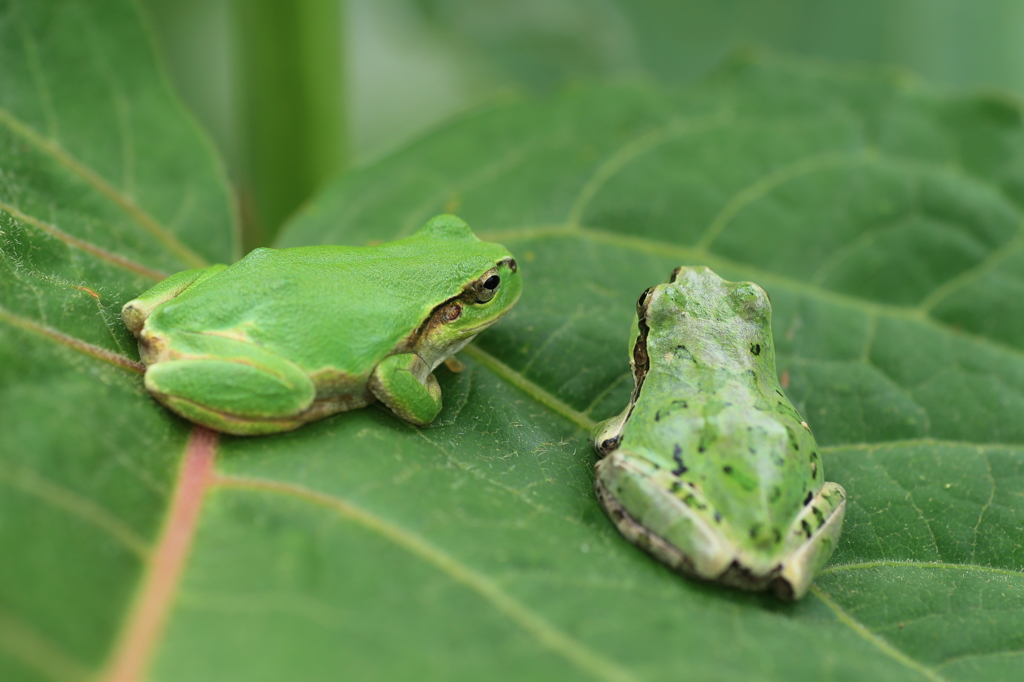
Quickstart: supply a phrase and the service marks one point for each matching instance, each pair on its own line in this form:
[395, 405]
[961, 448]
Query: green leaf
[883, 218]
[105, 185]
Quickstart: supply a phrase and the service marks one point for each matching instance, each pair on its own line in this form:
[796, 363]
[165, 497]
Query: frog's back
[723, 424]
[336, 307]
[748, 460]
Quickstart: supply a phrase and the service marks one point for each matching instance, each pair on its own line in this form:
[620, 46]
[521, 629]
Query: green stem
[290, 103]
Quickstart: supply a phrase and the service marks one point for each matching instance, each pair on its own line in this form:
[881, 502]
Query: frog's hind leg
[234, 387]
[668, 519]
[137, 311]
[811, 540]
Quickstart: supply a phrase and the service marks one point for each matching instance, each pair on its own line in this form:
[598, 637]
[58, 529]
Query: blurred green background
[292, 91]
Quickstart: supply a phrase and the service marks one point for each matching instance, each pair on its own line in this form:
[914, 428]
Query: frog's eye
[483, 289]
[642, 300]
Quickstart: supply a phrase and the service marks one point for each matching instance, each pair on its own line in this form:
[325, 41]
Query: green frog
[287, 336]
[710, 468]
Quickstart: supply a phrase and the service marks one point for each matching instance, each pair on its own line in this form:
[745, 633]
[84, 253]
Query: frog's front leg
[406, 385]
[137, 311]
[232, 386]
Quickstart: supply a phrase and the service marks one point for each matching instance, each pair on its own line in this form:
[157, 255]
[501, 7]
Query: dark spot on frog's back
[727, 469]
[684, 353]
[678, 403]
[755, 349]
[677, 455]
[810, 496]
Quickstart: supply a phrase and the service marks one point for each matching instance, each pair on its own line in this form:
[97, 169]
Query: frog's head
[699, 292]
[705, 314]
[488, 285]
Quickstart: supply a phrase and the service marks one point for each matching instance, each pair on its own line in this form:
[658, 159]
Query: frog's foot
[811, 541]
[404, 383]
[234, 396]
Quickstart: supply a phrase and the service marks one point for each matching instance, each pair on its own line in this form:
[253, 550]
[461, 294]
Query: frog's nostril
[512, 265]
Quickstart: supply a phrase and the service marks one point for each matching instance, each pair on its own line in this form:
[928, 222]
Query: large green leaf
[104, 185]
[883, 218]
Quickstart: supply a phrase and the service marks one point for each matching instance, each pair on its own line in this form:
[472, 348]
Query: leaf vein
[612, 385]
[101, 185]
[72, 342]
[88, 247]
[533, 390]
[476, 473]
[83, 508]
[985, 507]
[874, 639]
[635, 148]
[920, 441]
[909, 498]
[776, 177]
[545, 633]
[36, 652]
[972, 274]
[890, 563]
